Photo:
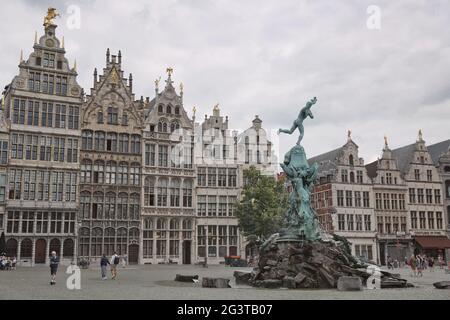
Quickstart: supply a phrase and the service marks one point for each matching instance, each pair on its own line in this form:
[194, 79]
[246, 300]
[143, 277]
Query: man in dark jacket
[103, 265]
[54, 262]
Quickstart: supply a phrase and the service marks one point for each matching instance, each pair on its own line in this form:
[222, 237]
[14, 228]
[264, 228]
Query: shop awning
[433, 242]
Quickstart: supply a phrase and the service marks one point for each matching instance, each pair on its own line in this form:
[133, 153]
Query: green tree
[264, 201]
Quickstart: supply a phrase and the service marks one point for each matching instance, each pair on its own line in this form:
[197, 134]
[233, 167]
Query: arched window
[110, 177]
[84, 242]
[447, 188]
[96, 242]
[122, 174]
[111, 142]
[135, 171]
[148, 224]
[177, 110]
[113, 115]
[123, 142]
[175, 193]
[136, 144]
[174, 224]
[97, 206]
[162, 126]
[99, 140]
[447, 169]
[187, 224]
[352, 177]
[55, 245]
[100, 117]
[68, 248]
[162, 192]
[149, 191]
[161, 224]
[121, 241]
[174, 125]
[122, 206]
[99, 172]
[134, 234]
[350, 160]
[86, 171]
[110, 205]
[85, 204]
[110, 237]
[169, 109]
[134, 206]
[160, 108]
[187, 193]
[86, 140]
[11, 248]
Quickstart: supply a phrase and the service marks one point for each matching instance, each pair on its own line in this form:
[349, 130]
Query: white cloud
[269, 58]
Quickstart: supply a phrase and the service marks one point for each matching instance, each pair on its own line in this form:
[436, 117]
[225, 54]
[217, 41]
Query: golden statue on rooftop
[169, 71]
[51, 14]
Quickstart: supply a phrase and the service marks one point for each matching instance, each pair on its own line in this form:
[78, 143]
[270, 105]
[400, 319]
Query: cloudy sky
[268, 58]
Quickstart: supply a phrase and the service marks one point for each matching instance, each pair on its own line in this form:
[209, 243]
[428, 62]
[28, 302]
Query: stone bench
[186, 278]
[215, 283]
[348, 283]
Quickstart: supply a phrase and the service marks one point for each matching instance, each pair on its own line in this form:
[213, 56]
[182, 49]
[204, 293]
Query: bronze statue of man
[298, 123]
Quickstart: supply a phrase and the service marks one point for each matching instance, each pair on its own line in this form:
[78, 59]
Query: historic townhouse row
[394, 206]
[89, 174]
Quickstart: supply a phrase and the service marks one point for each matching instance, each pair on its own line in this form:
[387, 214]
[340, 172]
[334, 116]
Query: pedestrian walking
[103, 265]
[115, 259]
[54, 262]
[412, 264]
[431, 264]
[419, 260]
[389, 263]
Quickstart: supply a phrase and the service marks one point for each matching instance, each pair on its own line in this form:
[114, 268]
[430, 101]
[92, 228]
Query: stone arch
[11, 247]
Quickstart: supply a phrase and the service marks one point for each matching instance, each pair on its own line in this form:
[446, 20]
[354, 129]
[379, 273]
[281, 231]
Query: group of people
[419, 262]
[113, 263]
[104, 262]
[7, 263]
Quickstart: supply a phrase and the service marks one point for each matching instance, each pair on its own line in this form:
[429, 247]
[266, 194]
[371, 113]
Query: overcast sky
[268, 58]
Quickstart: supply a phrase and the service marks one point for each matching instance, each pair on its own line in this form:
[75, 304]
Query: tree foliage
[261, 210]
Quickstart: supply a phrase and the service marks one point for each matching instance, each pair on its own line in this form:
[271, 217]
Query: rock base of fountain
[318, 264]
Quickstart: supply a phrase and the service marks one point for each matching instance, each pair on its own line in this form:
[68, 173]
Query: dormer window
[113, 115]
[177, 110]
[162, 126]
[38, 61]
[169, 109]
[59, 65]
[350, 160]
[160, 108]
[49, 60]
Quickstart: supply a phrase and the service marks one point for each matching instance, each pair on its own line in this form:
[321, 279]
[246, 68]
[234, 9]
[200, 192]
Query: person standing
[431, 264]
[103, 265]
[54, 262]
[412, 264]
[115, 259]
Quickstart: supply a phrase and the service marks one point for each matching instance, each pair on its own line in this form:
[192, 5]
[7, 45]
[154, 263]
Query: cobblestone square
[157, 282]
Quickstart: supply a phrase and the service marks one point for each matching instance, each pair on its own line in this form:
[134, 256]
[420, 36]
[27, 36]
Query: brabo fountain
[302, 254]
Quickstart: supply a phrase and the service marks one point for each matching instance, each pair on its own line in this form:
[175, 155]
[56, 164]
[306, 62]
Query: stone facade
[168, 215]
[390, 192]
[42, 104]
[343, 198]
[111, 164]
